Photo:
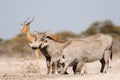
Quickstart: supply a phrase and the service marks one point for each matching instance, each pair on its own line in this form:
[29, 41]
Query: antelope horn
[31, 21]
[26, 19]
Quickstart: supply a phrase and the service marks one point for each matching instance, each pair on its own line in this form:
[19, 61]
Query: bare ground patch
[26, 69]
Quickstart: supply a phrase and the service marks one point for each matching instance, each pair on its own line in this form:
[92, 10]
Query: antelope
[31, 37]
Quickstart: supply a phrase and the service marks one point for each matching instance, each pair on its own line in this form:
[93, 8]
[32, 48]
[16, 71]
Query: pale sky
[55, 15]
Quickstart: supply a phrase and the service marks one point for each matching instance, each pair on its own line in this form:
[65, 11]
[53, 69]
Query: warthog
[49, 51]
[80, 51]
[89, 50]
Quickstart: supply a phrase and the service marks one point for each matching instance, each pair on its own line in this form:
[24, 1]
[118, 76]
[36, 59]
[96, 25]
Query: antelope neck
[30, 37]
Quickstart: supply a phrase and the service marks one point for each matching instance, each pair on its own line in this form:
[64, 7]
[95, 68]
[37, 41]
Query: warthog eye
[45, 40]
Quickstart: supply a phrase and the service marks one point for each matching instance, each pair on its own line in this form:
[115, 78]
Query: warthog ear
[36, 32]
[47, 33]
[49, 37]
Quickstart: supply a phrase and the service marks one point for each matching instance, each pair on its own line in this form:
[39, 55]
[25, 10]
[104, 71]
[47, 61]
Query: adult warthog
[50, 52]
[80, 51]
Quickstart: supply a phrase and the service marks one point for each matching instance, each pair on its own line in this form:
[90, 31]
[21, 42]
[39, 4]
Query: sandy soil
[25, 69]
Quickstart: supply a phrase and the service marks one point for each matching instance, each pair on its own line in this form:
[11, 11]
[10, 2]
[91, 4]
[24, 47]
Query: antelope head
[26, 25]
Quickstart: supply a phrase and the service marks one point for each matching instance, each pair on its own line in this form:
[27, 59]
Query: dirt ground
[25, 69]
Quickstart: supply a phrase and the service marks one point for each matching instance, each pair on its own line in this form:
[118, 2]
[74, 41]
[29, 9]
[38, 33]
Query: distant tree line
[18, 46]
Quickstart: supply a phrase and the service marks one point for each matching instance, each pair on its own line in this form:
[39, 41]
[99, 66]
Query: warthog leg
[64, 67]
[79, 67]
[55, 67]
[49, 66]
[106, 57]
[74, 68]
[102, 61]
[105, 61]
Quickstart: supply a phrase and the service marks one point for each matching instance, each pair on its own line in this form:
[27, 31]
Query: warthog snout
[34, 45]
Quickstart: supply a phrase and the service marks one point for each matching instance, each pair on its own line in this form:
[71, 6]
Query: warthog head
[40, 41]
